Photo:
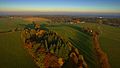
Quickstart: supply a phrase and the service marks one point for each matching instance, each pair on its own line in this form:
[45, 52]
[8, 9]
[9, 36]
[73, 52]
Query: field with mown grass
[109, 41]
[79, 39]
[12, 53]
[8, 23]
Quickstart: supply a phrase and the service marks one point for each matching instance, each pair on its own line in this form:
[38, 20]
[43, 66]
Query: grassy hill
[12, 53]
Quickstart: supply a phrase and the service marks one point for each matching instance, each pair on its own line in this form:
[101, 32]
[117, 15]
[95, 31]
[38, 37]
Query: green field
[8, 24]
[109, 40]
[79, 39]
[12, 53]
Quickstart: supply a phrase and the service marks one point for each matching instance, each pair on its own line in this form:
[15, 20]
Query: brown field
[37, 19]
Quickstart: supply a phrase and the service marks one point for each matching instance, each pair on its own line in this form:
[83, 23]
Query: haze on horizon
[22, 7]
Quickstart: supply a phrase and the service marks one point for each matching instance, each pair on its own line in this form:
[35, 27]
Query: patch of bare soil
[31, 19]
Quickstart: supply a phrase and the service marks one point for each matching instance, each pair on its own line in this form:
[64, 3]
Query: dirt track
[103, 59]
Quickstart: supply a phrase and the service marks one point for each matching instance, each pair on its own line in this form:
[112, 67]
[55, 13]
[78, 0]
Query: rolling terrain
[13, 54]
[78, 39]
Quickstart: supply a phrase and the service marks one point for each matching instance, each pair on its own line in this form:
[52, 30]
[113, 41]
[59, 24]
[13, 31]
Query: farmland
[31, 19]
[109, 40]
[13, 54]
[80, 40]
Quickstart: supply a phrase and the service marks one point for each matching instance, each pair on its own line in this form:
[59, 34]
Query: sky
[59, 6]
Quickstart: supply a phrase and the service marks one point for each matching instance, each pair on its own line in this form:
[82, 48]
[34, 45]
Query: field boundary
[102, 56]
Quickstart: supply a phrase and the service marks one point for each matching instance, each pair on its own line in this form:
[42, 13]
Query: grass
[109, 40]
[8, 24]
[80, 40]
[12, 53]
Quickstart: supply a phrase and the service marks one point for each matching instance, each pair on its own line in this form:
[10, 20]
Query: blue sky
[86, 6]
